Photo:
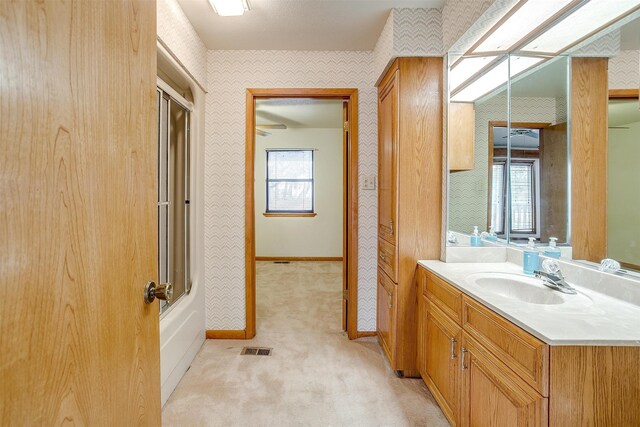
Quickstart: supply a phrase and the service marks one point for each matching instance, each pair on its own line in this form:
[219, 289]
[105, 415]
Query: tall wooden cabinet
[409, 198]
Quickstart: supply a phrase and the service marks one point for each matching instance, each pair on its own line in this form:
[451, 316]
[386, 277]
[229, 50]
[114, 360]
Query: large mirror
[535, 153]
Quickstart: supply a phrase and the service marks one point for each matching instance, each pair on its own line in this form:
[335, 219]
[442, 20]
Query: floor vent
[256, 351]
[281, 262]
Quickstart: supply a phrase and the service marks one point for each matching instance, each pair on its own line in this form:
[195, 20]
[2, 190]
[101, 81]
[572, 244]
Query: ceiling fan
[260, 129]
[518, 132]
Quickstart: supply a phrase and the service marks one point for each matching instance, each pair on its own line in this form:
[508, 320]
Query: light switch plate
[369, 182]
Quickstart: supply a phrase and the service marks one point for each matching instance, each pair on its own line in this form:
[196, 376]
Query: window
[524, 197]
[290, 181]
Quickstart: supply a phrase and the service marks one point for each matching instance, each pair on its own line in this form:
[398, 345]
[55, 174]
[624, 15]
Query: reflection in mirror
[528, 148]
[624, 182]
[509, 176]
[524, 179]
[471, 111]
[539, 147]
[620, 43]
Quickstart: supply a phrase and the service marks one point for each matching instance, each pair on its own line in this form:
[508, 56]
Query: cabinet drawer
[446, 297]
[387, 259]
[526, 355]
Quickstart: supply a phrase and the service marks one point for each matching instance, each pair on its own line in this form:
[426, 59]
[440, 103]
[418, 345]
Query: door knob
[153, 291]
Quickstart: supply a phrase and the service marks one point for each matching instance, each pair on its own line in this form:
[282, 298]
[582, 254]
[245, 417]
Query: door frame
[350, 208]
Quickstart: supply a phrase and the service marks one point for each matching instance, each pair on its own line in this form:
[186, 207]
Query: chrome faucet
[553, 278]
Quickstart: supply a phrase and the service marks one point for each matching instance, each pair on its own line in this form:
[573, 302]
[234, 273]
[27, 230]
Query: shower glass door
[173, 196]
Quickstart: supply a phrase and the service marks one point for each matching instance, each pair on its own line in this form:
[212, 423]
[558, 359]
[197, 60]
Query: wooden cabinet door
[78, 217]
[422, 335]
[386, 314]
[442, 346]
[387, 159]
[461, 138]
[493, 395]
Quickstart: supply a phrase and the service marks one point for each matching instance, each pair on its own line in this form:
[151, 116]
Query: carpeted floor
[315, 375]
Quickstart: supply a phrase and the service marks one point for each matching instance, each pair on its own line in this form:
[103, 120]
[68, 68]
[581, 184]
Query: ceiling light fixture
[587, 20]
[523, 20]
[230, 7]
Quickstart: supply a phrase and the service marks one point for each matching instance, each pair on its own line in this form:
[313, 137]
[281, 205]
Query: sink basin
[517, 287]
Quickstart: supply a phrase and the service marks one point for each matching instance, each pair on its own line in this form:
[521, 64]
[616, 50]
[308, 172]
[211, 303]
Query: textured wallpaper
[229, 74]
[177, 33]
[408, 32]
[624, 70]
[469, 189]
[383, 52]
[458, 16]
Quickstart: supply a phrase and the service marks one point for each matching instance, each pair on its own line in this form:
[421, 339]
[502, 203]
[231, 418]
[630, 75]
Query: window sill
[289, 215]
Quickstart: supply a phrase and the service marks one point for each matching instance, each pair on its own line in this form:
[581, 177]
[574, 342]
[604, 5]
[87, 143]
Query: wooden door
[443, 337]
[386, 314]
[387, 159]
[493, 395]
[78, 216]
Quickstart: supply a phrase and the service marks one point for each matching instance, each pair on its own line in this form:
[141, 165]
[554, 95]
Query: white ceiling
[299, 113]
[297, 24]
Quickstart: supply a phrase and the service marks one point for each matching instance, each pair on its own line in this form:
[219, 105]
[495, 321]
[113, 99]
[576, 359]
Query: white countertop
[589, 318]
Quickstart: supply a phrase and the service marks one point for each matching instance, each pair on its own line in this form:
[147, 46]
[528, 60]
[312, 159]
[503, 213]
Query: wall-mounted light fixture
[230, 7]
[524, 19]
[584, 22]
[532, 31]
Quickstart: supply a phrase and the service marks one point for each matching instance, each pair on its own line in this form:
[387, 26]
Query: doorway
[530, 200]
[623, 201]
[350, 196]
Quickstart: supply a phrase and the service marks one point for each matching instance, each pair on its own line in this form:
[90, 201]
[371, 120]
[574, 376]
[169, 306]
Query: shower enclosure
[173, 194]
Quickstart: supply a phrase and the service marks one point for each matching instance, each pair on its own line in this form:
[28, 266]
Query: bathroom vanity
[499, 348]
[534, 147]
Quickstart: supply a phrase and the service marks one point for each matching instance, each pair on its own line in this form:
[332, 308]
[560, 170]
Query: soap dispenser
[531, 257]
[552, 251]
[475, 238]
[492, 236]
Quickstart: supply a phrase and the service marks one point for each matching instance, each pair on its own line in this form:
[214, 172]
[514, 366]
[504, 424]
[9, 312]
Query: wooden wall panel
[589, 139]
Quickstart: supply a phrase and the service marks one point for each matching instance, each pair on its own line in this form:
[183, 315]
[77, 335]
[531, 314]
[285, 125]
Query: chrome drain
[256, 351]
